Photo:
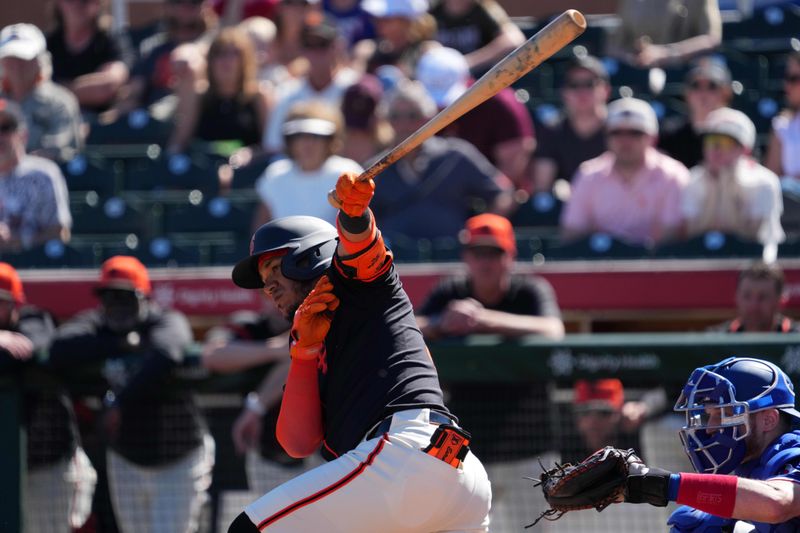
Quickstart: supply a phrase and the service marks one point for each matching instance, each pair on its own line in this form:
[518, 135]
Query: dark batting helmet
[309, 243]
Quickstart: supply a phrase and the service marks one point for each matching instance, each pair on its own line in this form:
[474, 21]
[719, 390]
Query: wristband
[355, 225]
[712, 493]
[252, 402]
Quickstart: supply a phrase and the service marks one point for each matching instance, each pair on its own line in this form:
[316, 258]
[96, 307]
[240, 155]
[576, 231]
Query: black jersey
[377, 362]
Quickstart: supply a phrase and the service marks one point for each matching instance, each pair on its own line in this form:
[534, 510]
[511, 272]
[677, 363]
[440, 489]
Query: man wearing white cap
[51, 112]
[631, 192]
[729, 191]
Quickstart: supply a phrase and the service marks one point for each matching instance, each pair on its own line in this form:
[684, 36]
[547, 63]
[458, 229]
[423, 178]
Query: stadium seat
[90, 173]
[52, 254]
[540, 210]
[711, 245]
[216, 214]
[597, 246]
[166, 251]
[765, 28]
[93, 214]
[245, 177]
[137, 127]
[172, 172]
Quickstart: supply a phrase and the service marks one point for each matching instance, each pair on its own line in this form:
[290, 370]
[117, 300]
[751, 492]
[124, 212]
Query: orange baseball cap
[489, 230]
[124, 272]
[601, 395]
[10, 284]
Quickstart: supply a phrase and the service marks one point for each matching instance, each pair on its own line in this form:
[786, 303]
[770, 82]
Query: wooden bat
[547, 41]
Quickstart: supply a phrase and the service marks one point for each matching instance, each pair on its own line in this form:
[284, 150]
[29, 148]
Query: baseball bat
[533, 52]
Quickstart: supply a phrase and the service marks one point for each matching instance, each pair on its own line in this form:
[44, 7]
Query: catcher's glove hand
[594, 483]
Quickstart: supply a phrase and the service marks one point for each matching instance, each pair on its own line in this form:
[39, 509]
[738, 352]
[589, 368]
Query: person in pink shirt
[631, 192]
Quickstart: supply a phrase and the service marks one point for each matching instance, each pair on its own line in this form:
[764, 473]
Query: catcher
[739, 420]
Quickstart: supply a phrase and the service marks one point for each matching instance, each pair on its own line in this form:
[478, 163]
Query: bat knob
[333, 199]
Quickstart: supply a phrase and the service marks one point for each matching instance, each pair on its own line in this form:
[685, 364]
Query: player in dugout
[741, 420]
[361, 385]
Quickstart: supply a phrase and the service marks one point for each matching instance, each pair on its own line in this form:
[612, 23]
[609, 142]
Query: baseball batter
[361, 387]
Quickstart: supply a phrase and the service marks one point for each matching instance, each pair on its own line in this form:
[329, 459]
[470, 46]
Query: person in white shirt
[729, 191]
[327, 79]
[298, 185]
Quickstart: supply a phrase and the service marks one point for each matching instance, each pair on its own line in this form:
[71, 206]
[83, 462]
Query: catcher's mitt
[596, 482]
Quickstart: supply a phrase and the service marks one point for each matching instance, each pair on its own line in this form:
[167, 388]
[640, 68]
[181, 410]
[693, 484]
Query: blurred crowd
[305, 89]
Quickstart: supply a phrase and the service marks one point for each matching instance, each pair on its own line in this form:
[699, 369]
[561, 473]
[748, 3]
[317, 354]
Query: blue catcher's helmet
[309, 243]
[714, 439]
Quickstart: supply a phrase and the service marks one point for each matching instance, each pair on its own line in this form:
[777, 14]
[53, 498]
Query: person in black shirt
[707, 88]
[580, 134]
[361, 385]
[160, 453]
[508, 418]
[86, 58]
[60, 480]
[759, 297]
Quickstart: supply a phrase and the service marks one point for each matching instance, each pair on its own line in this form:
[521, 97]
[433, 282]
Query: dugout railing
[644, 362]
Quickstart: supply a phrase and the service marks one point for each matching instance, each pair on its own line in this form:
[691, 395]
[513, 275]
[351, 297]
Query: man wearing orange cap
[160, 452]
[490, 299]
[60, 480]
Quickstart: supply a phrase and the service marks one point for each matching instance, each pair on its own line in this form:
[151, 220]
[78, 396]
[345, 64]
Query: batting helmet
[737, 386]
[309, 243]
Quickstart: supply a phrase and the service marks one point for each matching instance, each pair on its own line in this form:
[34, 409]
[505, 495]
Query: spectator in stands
[491, 299]
[232, 12]
[232, 107]
[51, 112]
[479, 29]
[263, 34]
[599, 409]
[250, 340]
[707, 87]
[654, 33]
[59, 479]
[580, 134]
[355, 24]
[290, 20]
[759, 298]
[730, 192]
[631, 192]
[404, 32]
[186, 21]
[160, 453]
[367, 134]
[34, 205]
[298, 185]
[430, 193]
[783, 154]
[500, 128]
[86, 58]
[327, 79]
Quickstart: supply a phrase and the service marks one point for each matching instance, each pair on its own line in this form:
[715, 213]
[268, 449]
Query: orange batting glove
[351, 195]
[312, 320]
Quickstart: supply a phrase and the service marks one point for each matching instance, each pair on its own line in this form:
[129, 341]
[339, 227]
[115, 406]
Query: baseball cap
[10, 284]
[598, 395]
[24, 41]
[395, 8]
[733, 123]
[11, 109]
[489, 230]
[318, 30]
[124, 272]
[360, 101]
[632, 113]
[590, 63]
[710, 69]
[445, 73]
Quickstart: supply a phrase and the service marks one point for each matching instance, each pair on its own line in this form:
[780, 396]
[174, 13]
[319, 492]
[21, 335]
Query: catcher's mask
[309, 243]
[718, 400]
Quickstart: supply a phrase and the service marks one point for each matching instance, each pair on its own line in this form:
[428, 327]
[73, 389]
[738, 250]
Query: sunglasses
[626, 133]
[697, 85]
[722, 142]
[584, 84]
[792, 78]
[8, 127]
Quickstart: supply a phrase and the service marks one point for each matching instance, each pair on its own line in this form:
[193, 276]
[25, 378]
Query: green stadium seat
[711, 245]
[597, 246]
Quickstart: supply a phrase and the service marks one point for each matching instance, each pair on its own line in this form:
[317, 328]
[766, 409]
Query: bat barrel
[546, 42]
